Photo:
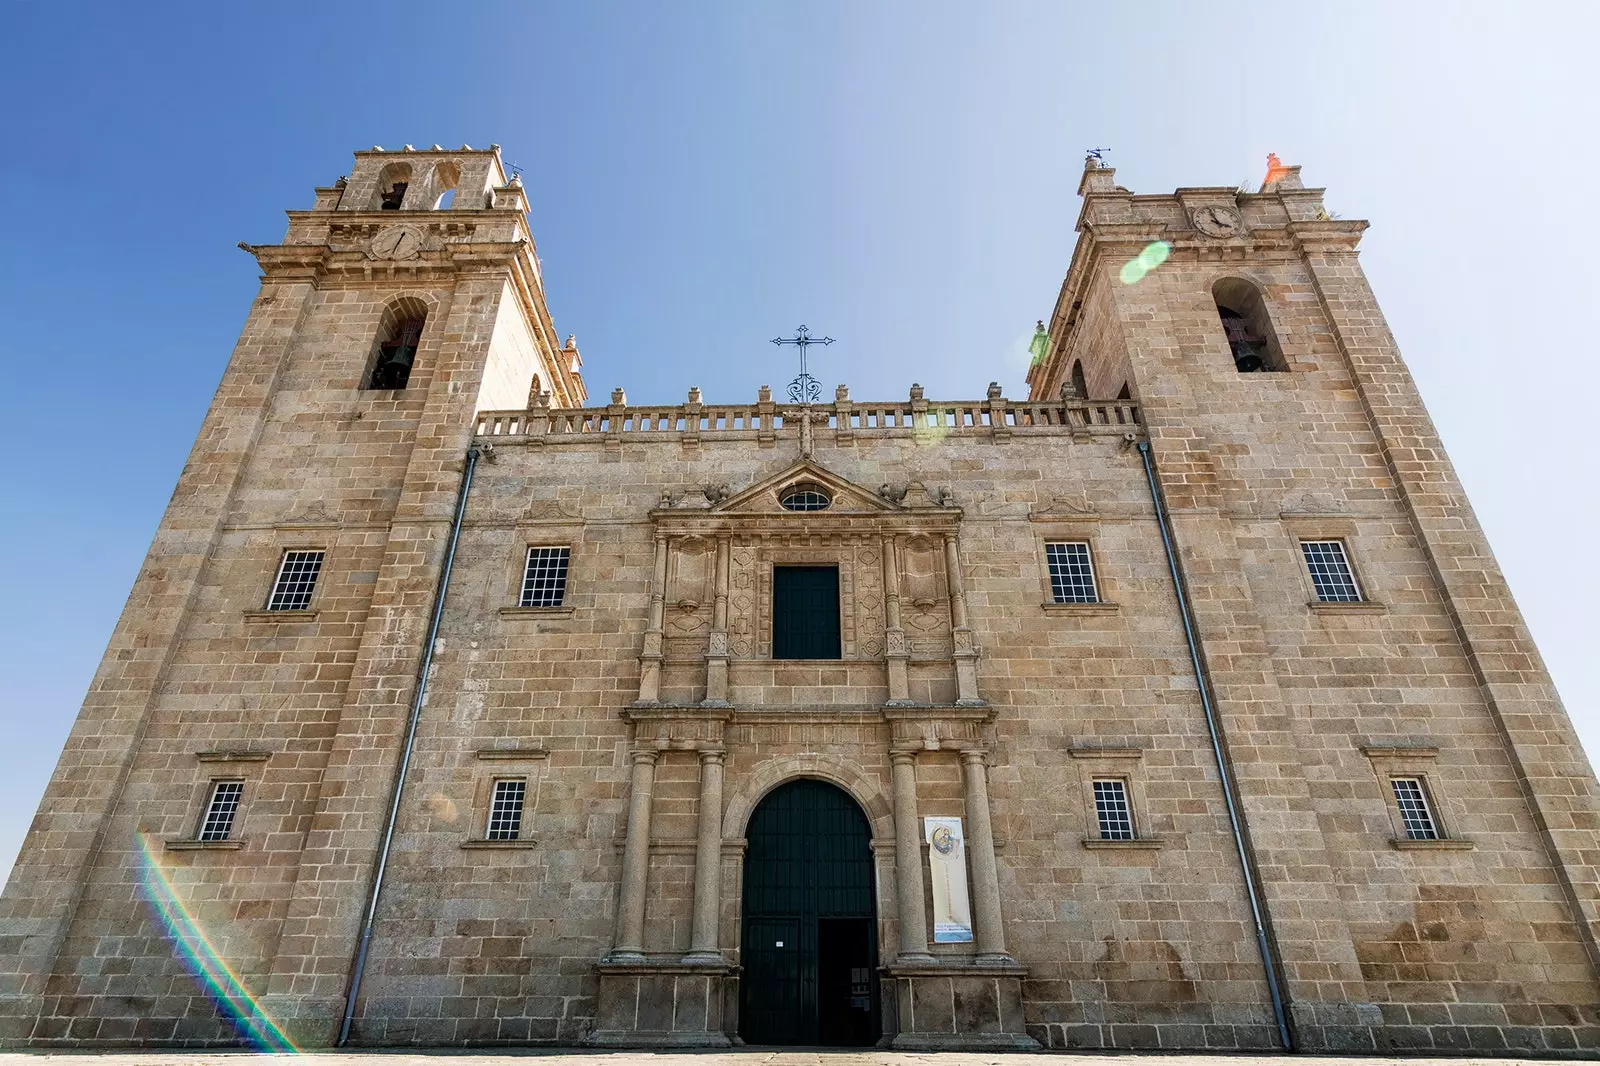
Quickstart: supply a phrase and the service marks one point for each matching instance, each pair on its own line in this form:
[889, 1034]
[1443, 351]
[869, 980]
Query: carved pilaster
[965, 651]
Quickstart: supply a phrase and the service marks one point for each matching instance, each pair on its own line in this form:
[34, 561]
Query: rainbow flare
[200, 956]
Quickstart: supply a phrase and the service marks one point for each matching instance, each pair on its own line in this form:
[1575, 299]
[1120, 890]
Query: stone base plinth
[660, 1003]
[958, 1006]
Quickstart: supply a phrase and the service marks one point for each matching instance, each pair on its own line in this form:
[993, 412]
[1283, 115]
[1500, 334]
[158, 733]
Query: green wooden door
[805, 612]
[809, 948]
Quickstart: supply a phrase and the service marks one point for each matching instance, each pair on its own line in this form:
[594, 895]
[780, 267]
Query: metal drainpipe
[1268, 961]
[405, 757]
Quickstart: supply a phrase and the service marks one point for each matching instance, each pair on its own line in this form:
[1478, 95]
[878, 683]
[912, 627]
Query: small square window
[297, 577]
[1415, 814]
[505, 809]
[1112, 810]
[1330, 571]
[544, 577]
[221, 810]
[1071, 572]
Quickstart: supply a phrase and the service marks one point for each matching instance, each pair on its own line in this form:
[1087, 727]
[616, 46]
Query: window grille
[1330, 571]
[1071, 573]
[805, 498]
[1111, 808]
[221, 810]
[505, 810]
[1414, 812]
[297, 577]
[544, 578]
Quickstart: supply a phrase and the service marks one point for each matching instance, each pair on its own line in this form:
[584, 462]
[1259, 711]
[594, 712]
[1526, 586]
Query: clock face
[397, 242]
[1217, 221]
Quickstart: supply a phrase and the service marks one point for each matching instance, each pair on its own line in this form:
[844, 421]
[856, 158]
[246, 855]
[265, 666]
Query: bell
[394, 197]
[1246, 359]
[394, 366]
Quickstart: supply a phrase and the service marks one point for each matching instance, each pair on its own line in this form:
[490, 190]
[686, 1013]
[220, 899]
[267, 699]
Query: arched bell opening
[809, 949]
[393, 181]
[1251, 339]
[394, 351]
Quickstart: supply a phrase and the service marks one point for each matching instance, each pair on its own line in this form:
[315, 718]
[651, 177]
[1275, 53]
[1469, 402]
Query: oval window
[804, 498]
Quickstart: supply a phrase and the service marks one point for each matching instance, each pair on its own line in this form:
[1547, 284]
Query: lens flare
[202, 959]
[1155, 253]
[930, 429]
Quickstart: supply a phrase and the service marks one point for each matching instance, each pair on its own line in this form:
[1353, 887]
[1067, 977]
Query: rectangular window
[805, 612]
[1071, 572]
[297, 576]
[544, 578]
[221, 810]
[505, 810]
[1111, 808]
[1414, 813]
[1330, 571]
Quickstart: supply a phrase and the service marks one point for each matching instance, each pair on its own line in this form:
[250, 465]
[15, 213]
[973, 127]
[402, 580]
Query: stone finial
[841, 394]
[1280, 176]
[542, 399]
[764, 395]
[916, 391]
[618, 397]
[572, 342]
[1069, 391]
[994, 390]
[436, 148]
[411, 148]
[694, 393]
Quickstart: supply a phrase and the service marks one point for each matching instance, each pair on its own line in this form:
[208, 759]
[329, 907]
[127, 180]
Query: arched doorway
[809, 949]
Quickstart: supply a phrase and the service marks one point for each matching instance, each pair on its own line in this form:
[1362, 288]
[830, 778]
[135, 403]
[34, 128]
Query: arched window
[1248, 330]
[395, 350]
[393, 181]
[445, 177]
[1079, 385]
[805, 497]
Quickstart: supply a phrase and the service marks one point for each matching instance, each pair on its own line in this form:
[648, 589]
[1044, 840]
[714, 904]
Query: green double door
[805, 612]
[810, 942]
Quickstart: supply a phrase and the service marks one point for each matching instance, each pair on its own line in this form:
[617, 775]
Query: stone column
[650, 657]
[990, 930]
[636, 857]
[717, 651]
[966, 656]
[908, 859]
[703, 945]
[894, 638]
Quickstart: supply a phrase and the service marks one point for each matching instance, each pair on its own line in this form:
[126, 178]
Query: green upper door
[805, 612]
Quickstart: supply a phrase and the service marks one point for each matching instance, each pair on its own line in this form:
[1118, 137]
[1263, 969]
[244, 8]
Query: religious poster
[947, 861]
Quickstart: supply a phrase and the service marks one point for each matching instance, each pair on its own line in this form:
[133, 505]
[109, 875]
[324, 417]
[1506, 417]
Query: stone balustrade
[764, 420]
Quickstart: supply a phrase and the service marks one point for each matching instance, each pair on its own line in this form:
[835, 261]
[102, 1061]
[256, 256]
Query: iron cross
[805, 388]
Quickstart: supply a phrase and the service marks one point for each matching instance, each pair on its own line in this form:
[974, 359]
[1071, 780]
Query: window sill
[1443, 844]
[492, 845]
[280, 616]
[536, 612]
[203, 845]
[1347, 607]
[1081, 608]
[1140, 844]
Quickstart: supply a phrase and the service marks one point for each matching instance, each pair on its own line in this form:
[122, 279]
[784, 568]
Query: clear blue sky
[705, 176]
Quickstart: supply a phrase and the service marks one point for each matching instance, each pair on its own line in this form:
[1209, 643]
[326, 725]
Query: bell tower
[404, 301]
[1283, 425]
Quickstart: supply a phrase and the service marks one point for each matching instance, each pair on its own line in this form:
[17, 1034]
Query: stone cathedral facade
[1178, 705]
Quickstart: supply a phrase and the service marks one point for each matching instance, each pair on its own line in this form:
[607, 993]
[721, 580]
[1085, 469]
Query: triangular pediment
[763, 497]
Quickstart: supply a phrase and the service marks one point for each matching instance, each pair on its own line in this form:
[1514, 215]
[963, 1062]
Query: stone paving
[749, 1057]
